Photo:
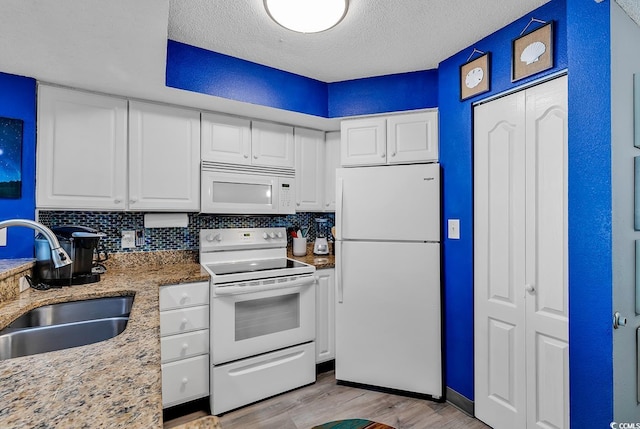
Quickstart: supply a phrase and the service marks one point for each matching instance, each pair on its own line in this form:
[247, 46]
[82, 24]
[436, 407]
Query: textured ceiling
[377, 37]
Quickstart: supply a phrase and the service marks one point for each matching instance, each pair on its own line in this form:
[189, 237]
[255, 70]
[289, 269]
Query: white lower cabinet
[184, 332]
[325, 315]
[185, 380]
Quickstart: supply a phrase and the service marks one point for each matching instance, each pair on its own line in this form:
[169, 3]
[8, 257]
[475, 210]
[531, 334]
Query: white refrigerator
[388, 308]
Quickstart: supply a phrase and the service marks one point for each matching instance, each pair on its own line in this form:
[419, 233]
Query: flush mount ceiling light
[307, 16]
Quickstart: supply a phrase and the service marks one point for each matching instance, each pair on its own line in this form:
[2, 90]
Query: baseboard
[326, 366]
[461, 402]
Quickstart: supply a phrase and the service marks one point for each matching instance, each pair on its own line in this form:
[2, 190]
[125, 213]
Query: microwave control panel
[286, 197]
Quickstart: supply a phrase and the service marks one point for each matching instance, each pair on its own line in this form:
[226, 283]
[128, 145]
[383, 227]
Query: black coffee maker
[81, 244]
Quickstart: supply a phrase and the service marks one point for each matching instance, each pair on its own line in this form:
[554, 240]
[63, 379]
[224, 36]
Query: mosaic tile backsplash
[113, 223]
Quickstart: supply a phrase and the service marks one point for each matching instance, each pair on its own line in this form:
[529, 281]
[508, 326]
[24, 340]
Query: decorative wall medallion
[532, 52]
[475, 77]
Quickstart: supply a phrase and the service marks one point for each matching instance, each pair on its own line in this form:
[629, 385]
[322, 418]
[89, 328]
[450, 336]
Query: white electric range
[262, 321]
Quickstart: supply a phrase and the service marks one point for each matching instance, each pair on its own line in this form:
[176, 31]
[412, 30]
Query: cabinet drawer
[184, 320]
[248, 380]
[184, 295]
[183, 346]
[185, 380]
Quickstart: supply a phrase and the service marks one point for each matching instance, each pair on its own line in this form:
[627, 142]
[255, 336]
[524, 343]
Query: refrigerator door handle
[339, 195]
[339, 288]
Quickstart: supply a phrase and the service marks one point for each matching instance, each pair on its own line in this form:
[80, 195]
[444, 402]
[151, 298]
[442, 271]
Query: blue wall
[403, 91]
[590, 234]
[18, 101]
[198, 70]
[456, 158]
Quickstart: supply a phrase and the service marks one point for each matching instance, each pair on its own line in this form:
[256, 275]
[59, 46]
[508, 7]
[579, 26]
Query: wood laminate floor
[326, 401]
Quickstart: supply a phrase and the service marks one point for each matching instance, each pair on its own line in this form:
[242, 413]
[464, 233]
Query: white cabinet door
[520, 259]
[363, 142]
[325, 315]
[272, 145]
[412, 138]
[309, 150]
[164, 157]
[331, 163]
[81, 151]
[226, 139]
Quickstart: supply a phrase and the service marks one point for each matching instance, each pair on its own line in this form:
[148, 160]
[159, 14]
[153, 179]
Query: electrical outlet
[128, 239]
[453, 229]
[3, 237]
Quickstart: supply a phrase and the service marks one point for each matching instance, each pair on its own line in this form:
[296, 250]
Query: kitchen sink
[65, 325]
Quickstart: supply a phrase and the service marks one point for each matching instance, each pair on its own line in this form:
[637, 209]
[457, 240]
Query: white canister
[299, 246]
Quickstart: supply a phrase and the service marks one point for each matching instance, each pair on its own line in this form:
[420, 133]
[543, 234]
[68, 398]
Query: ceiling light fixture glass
[307, 16]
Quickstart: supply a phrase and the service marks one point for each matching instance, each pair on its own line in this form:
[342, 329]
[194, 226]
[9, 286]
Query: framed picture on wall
[475, 77]
[532, 53]
[11, 158]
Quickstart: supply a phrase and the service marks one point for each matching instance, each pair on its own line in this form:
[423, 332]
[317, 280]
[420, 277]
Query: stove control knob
[279, 235]
[265, 236]
[272, 234]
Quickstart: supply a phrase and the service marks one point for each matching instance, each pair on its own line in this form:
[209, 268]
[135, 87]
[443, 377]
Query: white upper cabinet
[164, 157]
[82, 150]
[226, 139]
[363, 141]
[88, 161]
[272, 145]
[309, 150]
[240, 141]
[412, 138]
[398, 139]
[332, 161]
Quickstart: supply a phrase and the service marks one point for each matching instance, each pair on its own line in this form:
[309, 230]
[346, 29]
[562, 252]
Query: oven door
[248, 324]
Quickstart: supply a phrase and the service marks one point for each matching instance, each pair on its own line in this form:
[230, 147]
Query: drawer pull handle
[185, 321]
[185, 297]
[185, 346]
[185, 380]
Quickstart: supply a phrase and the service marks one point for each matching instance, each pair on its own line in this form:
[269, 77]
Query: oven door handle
[236, 290]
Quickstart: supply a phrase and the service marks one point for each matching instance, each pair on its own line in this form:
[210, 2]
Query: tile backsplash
[113, 223]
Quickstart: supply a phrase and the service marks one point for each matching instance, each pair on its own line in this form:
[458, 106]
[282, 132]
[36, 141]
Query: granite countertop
[320, 261]
[9, 267]
[111, 384]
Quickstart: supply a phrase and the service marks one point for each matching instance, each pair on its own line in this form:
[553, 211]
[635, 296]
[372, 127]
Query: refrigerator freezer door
[397, 203]
[388, 325]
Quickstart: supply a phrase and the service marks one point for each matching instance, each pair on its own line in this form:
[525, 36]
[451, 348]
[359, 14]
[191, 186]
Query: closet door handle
[530, 288]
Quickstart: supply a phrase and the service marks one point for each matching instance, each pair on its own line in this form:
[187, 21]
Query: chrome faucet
[59, 257]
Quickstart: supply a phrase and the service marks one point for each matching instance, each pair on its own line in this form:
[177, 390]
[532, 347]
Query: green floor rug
[353, 424]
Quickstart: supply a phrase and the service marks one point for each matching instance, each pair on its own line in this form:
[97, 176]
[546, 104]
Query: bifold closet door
[520, 259]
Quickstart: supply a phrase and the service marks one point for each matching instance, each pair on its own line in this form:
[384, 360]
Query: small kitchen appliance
[321, 246]
[80, 243]
[262, 316]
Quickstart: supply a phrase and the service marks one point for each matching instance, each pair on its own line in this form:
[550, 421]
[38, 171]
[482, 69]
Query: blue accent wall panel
[391, 93]
[590, 234]
[199, 70]
[456, 158]
[18, 101]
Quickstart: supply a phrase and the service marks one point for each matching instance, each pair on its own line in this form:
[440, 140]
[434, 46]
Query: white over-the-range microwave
[235, 189]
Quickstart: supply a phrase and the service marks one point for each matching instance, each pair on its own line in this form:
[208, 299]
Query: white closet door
[520, 272]
[499, 264]
[547, 323]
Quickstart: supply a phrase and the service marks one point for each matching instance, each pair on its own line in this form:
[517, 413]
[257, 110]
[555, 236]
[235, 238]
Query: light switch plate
[128, 239]
[453, 226]
[3, 237]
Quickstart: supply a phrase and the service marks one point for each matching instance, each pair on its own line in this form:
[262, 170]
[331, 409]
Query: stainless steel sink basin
[65, 325]
[75, 311]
